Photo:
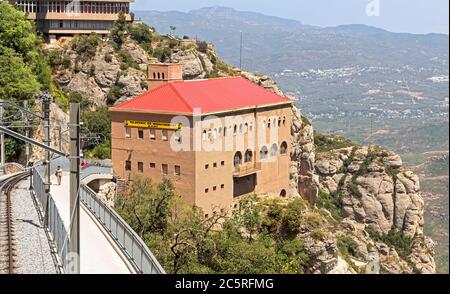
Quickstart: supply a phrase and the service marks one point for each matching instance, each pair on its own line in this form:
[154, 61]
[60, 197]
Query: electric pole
[240, 51]
[74, 239]
[27, 129]
[46, 100]
[2, 138]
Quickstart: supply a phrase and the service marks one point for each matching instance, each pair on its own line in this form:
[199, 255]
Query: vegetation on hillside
[259, 238]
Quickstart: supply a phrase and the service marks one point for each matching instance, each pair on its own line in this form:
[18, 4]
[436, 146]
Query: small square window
[206, 190]
[165, 169]
[140, 167]
[152, 165]
[127, 132]
[215, 188]
[152, 135]
[222, 163]
[128, 165]
[215, 164]
[141, 134]
[206, 166]
[177, 170]
[165, 135]
[222, 186]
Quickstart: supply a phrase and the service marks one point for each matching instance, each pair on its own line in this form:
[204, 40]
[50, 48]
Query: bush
[102, 151]
[114, 93]
[394, 238]
[292, 217]
[173, 43]
[86, 45]
[127, 60]
[108, 57]
[330, 203]
[202, 46]
[162, 54]
[325, 142]
[141, 33]
[347, 246]
[75, 97]
[92, 70]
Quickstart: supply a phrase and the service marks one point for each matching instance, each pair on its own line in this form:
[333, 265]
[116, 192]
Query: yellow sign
[153, 125]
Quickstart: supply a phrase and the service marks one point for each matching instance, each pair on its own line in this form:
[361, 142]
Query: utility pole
[46, 100]
[74, 240]
[240, 51]
[27, 129]
[2, 138]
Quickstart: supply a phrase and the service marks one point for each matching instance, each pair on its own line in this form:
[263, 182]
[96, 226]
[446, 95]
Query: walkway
[98, 254]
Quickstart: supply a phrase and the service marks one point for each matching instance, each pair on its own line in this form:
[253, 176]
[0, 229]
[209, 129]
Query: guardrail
[55, 223]
[127, 240]
[125, 237]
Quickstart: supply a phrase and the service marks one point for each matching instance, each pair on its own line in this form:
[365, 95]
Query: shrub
[92, 70]
[202, 46]
[325, 142]
[394, 238]
[108, 57]
[347, 246]
[162, 53]
[330, 203]
[293, 216]
[113, 95]
[141, 33]
[86, 45]
[101, 151]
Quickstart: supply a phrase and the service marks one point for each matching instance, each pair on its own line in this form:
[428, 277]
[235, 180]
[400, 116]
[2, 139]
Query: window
[127, 132]
[165, 169]
[246, 128]
[152, 165]
[159, 76]
[283, 149]
[222, 186]
[206, 166]
[141, 134]
[248, 156]
[222, 163]
[235, 130]
[165, 135]
[274, 150]
[128, 165]
[152, 134]
[250, 127]
[284, 121]
[206, 190]
[268, 124]
[237, 159]
[215, 164]
[215, 188]
[204, 136]
[154, 75]
[177, 170]
[140, 167]
[163, 76]
[274, 122]
[264, 152]
[241, 128]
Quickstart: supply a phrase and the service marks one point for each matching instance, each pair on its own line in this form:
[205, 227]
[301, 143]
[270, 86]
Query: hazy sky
[414, 16]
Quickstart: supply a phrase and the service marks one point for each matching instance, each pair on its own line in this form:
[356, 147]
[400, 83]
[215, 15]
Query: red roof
[211, 95]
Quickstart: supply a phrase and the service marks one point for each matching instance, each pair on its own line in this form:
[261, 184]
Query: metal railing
[125, 237]
[127, 240]
[55, 223]
[246, 168]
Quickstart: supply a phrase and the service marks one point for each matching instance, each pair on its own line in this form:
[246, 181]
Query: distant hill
[361, 82]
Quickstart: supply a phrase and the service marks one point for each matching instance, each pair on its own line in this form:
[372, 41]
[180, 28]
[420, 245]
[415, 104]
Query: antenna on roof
[240, 51]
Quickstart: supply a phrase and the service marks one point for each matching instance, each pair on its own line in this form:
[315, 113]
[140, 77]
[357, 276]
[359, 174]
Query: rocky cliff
[365, 211]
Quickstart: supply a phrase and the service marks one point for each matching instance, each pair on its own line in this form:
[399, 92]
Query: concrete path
[98, 254]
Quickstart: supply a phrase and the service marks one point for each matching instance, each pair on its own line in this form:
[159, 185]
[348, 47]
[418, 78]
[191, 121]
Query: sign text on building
[153, 125]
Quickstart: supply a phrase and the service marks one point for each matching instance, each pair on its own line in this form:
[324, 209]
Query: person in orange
[58, 175]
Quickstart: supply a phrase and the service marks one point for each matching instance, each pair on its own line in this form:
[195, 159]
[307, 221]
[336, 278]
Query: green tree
[118, 31]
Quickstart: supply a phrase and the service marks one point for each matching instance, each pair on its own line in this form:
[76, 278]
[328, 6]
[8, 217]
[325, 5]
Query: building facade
[217, 140]
[55, 18]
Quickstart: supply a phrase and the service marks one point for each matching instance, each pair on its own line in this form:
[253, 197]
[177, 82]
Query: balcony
[246, 169]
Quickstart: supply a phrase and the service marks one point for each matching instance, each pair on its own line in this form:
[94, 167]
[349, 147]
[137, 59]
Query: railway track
[7, 242]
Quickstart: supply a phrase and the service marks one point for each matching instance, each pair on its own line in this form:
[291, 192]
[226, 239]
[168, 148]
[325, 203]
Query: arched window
[250, 127]
[279, 122]
[284, 147]
[214, 136]
[241, 128]
[159, 76]
[268, 124]
[264, 125]
[274, 122]
[163, 76]
[264, 152]
[246, 128]
[237, 159]
[284, 120]
[283, 193]
[235, 130]
[154, 75]
[204, 136]
[219, 132]
[274, 150]
[248, 156]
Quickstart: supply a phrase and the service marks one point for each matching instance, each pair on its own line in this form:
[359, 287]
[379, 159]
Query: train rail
[7, 242]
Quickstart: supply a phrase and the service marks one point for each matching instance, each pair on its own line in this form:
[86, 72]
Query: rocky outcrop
[304, 181]
[107, 193]
[375, 190]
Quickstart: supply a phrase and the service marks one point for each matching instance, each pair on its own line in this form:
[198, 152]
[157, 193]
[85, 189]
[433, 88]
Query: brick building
[216, 139]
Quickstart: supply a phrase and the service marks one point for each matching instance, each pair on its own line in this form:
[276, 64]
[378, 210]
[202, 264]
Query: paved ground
[98, 256]
[32, 246]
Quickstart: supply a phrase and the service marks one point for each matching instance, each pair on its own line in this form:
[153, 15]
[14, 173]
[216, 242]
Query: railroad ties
[7, 241]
